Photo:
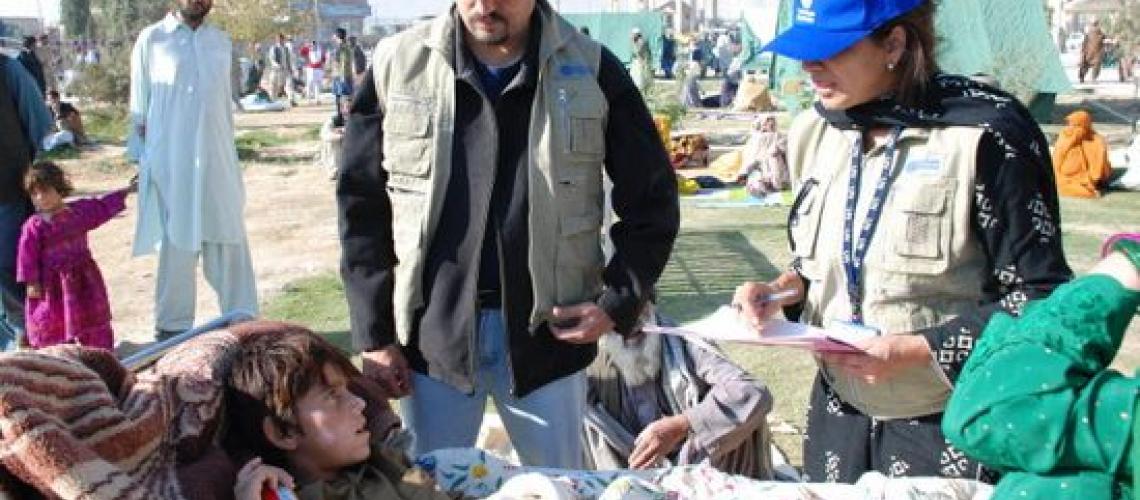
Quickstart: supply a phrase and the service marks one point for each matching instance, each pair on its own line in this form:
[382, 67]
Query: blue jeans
[341, 87]
[545, 426]
[12, 217]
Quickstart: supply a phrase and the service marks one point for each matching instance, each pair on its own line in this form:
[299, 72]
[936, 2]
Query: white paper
[725, 325]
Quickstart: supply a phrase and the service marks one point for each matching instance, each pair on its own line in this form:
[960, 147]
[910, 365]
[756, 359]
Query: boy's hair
[276, 364]
[46, 174]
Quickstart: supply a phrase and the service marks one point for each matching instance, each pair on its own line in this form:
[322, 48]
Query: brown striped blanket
[75, 424]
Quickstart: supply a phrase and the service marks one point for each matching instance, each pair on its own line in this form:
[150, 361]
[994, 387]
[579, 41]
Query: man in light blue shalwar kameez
[190, 187]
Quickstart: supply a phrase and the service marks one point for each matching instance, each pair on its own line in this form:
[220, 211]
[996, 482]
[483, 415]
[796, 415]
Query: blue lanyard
[854, 252]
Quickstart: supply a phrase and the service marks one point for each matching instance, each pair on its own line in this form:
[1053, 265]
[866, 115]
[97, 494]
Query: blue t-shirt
[495, 79]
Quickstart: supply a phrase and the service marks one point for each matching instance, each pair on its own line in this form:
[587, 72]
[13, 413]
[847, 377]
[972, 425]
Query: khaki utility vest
[924, 265]
[415, 87]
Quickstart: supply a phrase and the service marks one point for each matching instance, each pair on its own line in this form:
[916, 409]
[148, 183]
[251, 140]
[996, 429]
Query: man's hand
[581, 323]
[34, 291]
[389, 368]
[256, 476]
[658, 440]
[883, 357]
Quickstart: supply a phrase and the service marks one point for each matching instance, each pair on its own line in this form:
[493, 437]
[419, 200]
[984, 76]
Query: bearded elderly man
[471, 205]
[190, 185]
[655, 400]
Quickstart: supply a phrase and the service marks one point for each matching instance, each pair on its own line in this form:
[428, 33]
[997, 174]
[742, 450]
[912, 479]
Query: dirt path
[290, 219]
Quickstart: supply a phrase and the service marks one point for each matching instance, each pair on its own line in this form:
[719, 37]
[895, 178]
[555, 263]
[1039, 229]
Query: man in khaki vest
[471, 215]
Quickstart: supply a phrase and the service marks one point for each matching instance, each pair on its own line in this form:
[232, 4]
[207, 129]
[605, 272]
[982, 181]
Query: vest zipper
[487, 194]
[506, 313]
[564, 117]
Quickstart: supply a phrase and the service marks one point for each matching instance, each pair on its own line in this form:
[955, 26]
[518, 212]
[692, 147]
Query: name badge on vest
[929, 166]
[573, 71]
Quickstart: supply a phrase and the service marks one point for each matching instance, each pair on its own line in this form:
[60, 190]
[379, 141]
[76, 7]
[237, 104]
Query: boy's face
[333, 434]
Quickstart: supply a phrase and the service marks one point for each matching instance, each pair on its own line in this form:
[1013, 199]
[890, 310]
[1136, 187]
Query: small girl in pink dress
[66, 297]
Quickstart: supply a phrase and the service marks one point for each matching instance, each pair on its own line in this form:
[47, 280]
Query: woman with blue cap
[926, 204]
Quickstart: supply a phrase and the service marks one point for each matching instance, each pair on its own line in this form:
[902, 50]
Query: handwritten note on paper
[725, 325]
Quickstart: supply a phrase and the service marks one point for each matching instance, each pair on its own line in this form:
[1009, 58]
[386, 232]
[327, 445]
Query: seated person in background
[294, 422]
[1080, 158]
[67, 118]
[1037, 399]
[656, 398]
[332, 136]
[764, 166]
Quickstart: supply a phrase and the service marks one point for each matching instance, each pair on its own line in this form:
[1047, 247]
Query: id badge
[850, 333]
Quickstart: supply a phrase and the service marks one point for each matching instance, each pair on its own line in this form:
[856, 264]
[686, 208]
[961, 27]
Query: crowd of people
[286, 69]
[478, 157]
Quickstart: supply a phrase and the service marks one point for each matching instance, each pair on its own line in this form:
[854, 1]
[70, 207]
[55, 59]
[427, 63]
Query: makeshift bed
[78, 423]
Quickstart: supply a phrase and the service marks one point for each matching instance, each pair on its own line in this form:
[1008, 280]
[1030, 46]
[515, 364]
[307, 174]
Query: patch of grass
[312, 133]
[107, 124]
[317, 303]
[249, 144]
[66, 152]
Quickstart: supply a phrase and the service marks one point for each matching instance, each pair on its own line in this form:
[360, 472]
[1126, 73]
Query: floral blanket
[479, 474]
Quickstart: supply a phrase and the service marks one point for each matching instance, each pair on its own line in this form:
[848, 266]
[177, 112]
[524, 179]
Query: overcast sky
[49, 9]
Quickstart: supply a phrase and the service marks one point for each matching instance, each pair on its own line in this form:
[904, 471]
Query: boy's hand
[390, 369]
[256, 476]
[34, 291]
[133, 184]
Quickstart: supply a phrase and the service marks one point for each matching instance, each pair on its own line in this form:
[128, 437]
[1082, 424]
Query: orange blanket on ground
[1080, 158]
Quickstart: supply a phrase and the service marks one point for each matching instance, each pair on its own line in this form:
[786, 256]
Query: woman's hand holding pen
[758, 302]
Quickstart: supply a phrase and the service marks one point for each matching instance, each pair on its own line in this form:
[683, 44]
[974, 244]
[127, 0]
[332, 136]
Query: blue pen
[780, 295]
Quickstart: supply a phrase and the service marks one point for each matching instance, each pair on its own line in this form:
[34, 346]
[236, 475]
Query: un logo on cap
[805, 14]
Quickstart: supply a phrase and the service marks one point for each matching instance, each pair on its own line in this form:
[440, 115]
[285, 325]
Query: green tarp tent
[1007, 39]
[614, 30]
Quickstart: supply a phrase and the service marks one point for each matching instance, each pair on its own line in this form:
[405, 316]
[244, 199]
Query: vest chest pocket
[919, 229]
[581, 116]
[408, 135]
[804, 226]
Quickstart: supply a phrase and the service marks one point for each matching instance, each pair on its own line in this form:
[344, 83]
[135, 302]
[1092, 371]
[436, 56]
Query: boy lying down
[296, 426]
[289, 407]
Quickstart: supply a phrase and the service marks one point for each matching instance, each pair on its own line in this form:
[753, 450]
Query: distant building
[22, 26]
[382, 27]
[333, 14]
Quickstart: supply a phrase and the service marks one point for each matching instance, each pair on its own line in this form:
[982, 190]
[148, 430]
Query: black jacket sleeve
[1015, 223]
[644, 197]
[364, 214]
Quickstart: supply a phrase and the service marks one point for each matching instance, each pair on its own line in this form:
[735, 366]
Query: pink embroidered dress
[53, 252]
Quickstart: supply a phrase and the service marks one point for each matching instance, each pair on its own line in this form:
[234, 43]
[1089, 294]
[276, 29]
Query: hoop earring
[890, 66]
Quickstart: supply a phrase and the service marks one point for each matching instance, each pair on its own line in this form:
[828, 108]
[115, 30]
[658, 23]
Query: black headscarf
[953, 100]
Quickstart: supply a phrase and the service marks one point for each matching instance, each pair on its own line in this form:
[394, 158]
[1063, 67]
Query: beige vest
[415, 86]
[924, 265]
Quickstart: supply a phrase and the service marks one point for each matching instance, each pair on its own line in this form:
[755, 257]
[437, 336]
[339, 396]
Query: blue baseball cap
[823, 28]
